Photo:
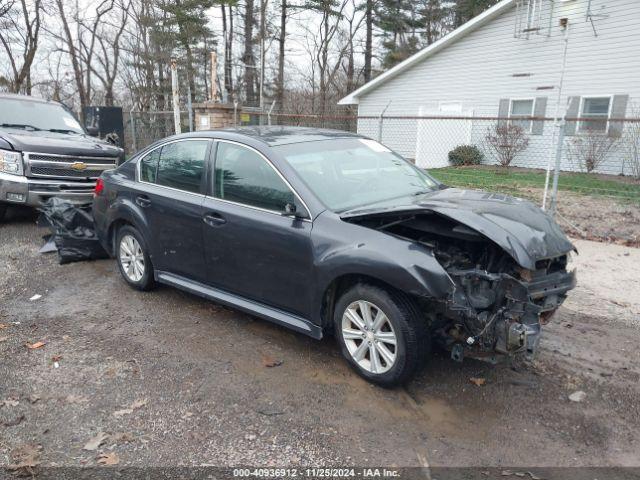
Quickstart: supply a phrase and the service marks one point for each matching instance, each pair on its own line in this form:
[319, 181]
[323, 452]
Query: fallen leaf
[270, 362]
[33, 346]
[56, 358]
[122, 437]
[37, 296]
[76, 399]
[477, 381]
[34, 398]
[95, 442]
[16, 421]
[577, 396]
[138, 404]
[10, 402]
[134, 406]
[26, 458]
[4, 339]
[124, 411]
[3, 326]
[108, 458]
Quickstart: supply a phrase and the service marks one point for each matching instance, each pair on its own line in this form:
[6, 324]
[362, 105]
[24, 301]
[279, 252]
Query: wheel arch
[342, 283]
[125, 213]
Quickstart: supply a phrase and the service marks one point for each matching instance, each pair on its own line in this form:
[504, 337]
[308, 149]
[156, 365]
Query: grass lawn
[518, 180]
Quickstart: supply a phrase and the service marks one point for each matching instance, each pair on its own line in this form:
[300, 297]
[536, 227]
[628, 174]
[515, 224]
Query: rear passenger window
[243, 176]
[181, 165]
[149, 166]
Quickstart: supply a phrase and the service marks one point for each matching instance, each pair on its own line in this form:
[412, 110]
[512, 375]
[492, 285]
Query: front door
[251, 249]
[173, 181]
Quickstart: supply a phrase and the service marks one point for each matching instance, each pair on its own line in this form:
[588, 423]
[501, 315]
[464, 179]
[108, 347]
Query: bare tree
[81, 47]
[506, 140]
[109, 42]
[19, 34]
[591, 149]
[631, 145]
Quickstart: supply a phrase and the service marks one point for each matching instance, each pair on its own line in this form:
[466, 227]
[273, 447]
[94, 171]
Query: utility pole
[263, 11]
[176, 99]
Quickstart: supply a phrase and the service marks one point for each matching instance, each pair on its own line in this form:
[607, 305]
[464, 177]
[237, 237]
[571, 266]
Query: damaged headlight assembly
[11, 162]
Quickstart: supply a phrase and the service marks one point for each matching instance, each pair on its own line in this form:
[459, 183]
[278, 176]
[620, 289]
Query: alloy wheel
[131, 258]
[369, 336]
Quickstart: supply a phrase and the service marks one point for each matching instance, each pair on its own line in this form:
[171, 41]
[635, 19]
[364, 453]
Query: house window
[520, 112]
[596, 108]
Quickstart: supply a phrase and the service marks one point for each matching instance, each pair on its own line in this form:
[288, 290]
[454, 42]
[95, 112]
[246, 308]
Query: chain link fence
[595, 194]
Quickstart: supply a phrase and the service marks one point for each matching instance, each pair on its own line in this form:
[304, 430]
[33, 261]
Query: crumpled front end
[500, 295]
[491, 314]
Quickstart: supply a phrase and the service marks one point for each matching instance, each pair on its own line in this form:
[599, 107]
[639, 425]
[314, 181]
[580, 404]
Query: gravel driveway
[168, 379]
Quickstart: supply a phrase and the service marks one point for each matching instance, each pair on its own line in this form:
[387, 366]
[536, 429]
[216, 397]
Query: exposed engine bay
[496, 306]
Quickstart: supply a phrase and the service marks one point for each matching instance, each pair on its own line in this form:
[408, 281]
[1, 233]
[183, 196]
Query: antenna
[595, 16]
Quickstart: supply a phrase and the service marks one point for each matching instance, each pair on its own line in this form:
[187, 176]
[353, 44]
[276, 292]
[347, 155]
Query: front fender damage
[496, 302]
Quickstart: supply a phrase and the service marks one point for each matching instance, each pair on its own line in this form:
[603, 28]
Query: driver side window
[243, 176]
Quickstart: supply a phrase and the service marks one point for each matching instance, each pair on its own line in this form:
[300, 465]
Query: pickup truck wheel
[381, 333]
[133, 259]
[3, 211]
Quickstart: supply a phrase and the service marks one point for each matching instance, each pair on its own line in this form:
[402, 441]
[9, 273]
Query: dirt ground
[168, 379]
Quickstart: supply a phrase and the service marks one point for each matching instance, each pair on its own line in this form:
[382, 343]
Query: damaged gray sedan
[330, 232]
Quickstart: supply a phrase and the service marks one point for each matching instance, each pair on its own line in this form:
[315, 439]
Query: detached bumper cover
[35, 192]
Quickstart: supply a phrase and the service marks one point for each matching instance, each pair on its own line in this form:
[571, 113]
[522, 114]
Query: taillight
[99, 188]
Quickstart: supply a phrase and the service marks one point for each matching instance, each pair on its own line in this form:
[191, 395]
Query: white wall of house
[489, 64]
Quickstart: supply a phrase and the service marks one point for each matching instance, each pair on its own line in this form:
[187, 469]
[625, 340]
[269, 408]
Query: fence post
[381, 120]
[132, 121]
[235, 114]
[273, 104]
[556, 171]
[176, 99]
[189, 106]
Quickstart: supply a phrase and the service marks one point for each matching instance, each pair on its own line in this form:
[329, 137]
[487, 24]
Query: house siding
[477, 71]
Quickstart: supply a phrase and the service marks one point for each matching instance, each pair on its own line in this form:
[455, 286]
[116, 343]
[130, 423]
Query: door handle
[214, 219]
[143, 201]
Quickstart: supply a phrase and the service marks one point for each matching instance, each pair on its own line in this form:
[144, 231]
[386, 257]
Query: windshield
[354, 172]
[31, 115]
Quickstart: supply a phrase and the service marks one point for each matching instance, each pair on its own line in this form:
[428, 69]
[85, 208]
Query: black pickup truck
[45, 152]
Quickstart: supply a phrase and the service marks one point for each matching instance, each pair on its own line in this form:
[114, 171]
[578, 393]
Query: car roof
[28, 98]
[277, 135]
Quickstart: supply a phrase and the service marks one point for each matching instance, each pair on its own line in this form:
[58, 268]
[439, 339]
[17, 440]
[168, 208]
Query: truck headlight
[11, 162]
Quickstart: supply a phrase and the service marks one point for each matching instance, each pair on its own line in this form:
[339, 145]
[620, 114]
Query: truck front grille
[66, 166]
[64, 172]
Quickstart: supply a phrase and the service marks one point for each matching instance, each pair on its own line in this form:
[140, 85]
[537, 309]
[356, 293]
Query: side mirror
[92, 130]
[290, 210]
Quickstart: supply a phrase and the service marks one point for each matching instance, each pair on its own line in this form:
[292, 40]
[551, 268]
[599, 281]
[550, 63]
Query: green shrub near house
[465, 155]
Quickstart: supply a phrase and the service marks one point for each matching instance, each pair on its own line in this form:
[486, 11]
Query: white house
[511, 61]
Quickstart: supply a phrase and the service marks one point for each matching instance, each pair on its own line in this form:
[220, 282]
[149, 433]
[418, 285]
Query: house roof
[432, 49]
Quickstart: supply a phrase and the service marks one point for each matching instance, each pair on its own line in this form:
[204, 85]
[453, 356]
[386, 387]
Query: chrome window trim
[293, 190]
[139, 161]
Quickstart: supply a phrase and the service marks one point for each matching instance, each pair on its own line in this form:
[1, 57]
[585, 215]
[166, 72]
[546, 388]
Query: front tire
[381, 333]
[133, 259]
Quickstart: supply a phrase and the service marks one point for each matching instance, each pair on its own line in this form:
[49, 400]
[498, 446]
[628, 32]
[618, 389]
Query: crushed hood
[54, 142]
[522, 229]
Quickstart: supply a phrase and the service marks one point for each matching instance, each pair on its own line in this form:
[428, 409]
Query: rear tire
[3, 211]
[133, 259]
[381, 333]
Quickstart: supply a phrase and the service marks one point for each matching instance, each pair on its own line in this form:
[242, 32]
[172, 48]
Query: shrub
[465, 155]
[506, 141]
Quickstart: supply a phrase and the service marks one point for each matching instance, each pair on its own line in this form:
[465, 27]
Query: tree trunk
[281, 56]
[368, 46]
[248, 58]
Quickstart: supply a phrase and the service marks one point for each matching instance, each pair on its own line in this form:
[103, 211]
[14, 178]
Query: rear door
[251, 249]
[174, 179]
